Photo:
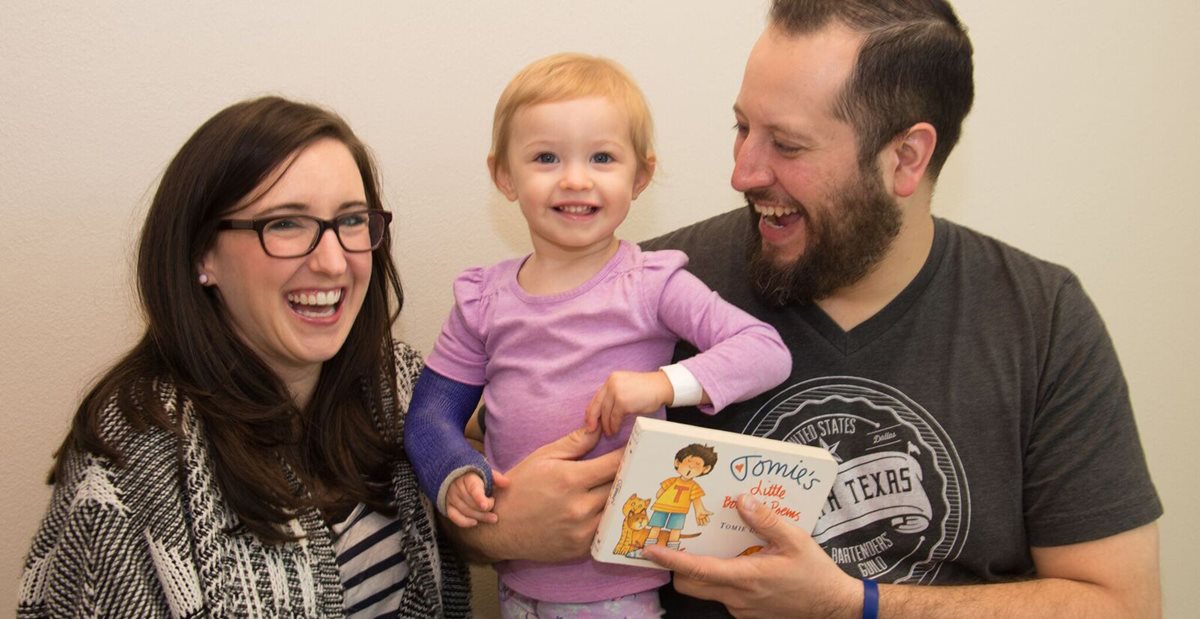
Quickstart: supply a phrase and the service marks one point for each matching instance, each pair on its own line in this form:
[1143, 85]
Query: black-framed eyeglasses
[293, 236]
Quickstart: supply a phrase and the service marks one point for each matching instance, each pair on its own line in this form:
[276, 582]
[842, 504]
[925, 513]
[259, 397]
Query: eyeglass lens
[294, 236]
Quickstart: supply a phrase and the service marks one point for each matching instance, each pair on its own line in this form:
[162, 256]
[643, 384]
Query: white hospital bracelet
[687, 389]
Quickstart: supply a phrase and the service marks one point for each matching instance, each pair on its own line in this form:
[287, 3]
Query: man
[969, 391]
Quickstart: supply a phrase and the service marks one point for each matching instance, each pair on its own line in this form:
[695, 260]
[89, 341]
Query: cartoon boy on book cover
[678, 494]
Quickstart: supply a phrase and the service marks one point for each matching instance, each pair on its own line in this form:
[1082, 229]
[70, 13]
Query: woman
[244, 459]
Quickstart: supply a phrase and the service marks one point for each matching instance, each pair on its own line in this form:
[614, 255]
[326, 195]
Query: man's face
[821, 221]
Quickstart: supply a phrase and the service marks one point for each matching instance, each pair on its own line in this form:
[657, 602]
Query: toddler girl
[581, 331]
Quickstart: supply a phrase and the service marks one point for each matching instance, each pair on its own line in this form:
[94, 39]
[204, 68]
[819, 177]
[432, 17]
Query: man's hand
[552, 505]
[791, 577]
[627, 393]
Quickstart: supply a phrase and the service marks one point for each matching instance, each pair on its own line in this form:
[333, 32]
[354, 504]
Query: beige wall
[1083, 149]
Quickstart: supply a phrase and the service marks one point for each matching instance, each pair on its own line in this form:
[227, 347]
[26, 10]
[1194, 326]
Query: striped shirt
[373, 566]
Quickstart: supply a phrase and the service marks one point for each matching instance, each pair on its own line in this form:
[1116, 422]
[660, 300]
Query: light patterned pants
[513, 605]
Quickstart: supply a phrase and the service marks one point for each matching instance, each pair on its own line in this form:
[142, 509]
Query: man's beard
[844, 243]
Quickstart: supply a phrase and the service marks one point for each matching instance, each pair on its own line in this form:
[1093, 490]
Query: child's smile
[572, 167]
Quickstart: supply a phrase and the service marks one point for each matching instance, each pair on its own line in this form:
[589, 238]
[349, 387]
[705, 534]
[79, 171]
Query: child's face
[573, 168]
[690, 467]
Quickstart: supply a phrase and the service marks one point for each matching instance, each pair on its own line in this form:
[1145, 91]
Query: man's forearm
[478, 544]
[1052, 598]
[1117, 576]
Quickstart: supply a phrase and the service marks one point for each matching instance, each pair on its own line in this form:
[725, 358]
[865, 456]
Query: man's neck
[857, 303]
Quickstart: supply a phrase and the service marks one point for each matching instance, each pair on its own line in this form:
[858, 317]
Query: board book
[678, 485]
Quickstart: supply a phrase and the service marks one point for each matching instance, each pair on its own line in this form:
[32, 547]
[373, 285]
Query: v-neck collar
[862, 335]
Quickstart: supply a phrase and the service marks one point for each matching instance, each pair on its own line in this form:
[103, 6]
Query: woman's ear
[501, 178]
[206, 269]
[910, 161]
[644, 175]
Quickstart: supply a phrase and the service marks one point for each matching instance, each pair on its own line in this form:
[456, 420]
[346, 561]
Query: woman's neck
[556, 270]
[301, 383]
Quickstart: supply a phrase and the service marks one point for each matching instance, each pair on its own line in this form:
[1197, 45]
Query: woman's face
[295, 313]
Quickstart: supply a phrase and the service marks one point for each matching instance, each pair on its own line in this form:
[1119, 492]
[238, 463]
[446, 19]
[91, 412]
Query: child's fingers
[468, 510]
[607, 404]
[469, 500]
[457, 495]
[458, 517]
[612, 421]
[477, 492]
[616, 414]
[591, 415]
[464, 508]
[603, 403]
[488, 517]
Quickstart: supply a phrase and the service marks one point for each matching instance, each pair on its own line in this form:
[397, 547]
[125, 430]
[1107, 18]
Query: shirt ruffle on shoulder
[669, 260]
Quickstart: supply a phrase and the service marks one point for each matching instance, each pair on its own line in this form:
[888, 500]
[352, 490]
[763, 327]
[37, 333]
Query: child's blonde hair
[566, 76]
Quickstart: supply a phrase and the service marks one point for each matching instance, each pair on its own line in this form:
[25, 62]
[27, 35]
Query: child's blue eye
[545, 158]
[602, 158]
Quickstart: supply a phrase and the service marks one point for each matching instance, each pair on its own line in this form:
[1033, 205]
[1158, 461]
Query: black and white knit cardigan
[148, 539]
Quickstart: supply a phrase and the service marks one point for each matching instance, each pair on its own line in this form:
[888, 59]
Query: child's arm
[740, 356]
[436, 447]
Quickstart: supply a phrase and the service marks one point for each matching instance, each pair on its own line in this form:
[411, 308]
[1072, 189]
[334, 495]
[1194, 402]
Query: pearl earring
[203, 279]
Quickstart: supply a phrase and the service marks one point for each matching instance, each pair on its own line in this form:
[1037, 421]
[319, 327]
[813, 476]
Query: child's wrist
[685, 389]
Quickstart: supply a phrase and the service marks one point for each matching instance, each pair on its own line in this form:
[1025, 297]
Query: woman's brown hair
[258, 438]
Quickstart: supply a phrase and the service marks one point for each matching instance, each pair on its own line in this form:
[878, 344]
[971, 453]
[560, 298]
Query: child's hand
[467, 503]
[627, 393]
[702, 516]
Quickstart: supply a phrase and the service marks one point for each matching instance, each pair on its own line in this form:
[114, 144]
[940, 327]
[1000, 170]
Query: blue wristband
[870, 599]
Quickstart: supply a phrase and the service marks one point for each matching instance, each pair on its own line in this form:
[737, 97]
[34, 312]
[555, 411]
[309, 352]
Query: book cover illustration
[678, 485]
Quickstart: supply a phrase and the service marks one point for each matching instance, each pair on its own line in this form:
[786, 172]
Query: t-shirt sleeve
[729, 339]
[459, 352]
[1085, 471]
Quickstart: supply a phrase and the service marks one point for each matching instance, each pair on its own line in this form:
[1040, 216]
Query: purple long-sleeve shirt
[542, 358]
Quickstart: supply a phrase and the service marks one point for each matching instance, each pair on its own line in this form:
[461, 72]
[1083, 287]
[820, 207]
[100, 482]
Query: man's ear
[643, 177]
[501, 178]
[909, 156]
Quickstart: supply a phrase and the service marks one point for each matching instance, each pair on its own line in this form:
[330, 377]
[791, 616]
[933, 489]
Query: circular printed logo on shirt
[900, 505]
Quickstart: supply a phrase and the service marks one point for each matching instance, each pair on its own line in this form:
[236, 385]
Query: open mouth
[316, 303]
[576, 209]
[778, 216]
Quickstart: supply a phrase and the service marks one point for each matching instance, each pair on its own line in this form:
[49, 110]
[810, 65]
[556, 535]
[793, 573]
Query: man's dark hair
[914, 66]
